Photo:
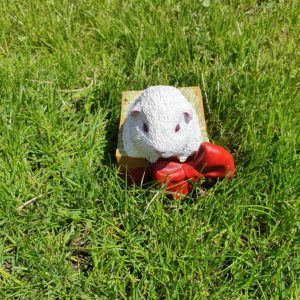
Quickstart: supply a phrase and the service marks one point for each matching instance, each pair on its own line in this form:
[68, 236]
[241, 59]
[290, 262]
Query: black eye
[145, 127]
[177, 128]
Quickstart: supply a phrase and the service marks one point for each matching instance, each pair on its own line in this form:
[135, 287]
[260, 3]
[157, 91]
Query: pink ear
[188, 115]
[135, 111]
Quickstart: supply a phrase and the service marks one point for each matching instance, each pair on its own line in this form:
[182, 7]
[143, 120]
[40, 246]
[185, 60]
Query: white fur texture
[150, 127]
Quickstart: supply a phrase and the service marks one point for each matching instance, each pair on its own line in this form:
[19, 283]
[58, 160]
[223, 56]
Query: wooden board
[192, 93]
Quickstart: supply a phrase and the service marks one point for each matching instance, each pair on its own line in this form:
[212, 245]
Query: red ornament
[210, 161]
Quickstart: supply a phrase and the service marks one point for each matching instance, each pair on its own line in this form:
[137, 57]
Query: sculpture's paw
[182, 158]
[152, 159]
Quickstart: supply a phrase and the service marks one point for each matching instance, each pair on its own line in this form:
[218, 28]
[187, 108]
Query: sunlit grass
[84, 233]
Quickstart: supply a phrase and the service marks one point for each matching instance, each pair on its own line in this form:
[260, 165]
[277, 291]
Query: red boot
[210, 161]
[174, 175]
[213, 161]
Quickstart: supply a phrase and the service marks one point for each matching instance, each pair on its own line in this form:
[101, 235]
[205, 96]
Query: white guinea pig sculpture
[161, 122]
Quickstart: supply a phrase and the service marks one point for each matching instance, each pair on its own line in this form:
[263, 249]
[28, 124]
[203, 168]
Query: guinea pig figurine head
[161, 122]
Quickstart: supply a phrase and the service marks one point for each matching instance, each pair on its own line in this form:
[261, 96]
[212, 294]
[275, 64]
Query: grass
[86, 234]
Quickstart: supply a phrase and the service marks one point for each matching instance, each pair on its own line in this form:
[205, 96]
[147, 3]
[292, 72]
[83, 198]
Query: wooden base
[192, 93]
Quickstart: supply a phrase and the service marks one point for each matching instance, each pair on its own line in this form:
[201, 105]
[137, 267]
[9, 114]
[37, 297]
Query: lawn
[70, 228]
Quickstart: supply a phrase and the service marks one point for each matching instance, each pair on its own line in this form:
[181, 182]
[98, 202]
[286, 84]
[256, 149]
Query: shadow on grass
[111, 137]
